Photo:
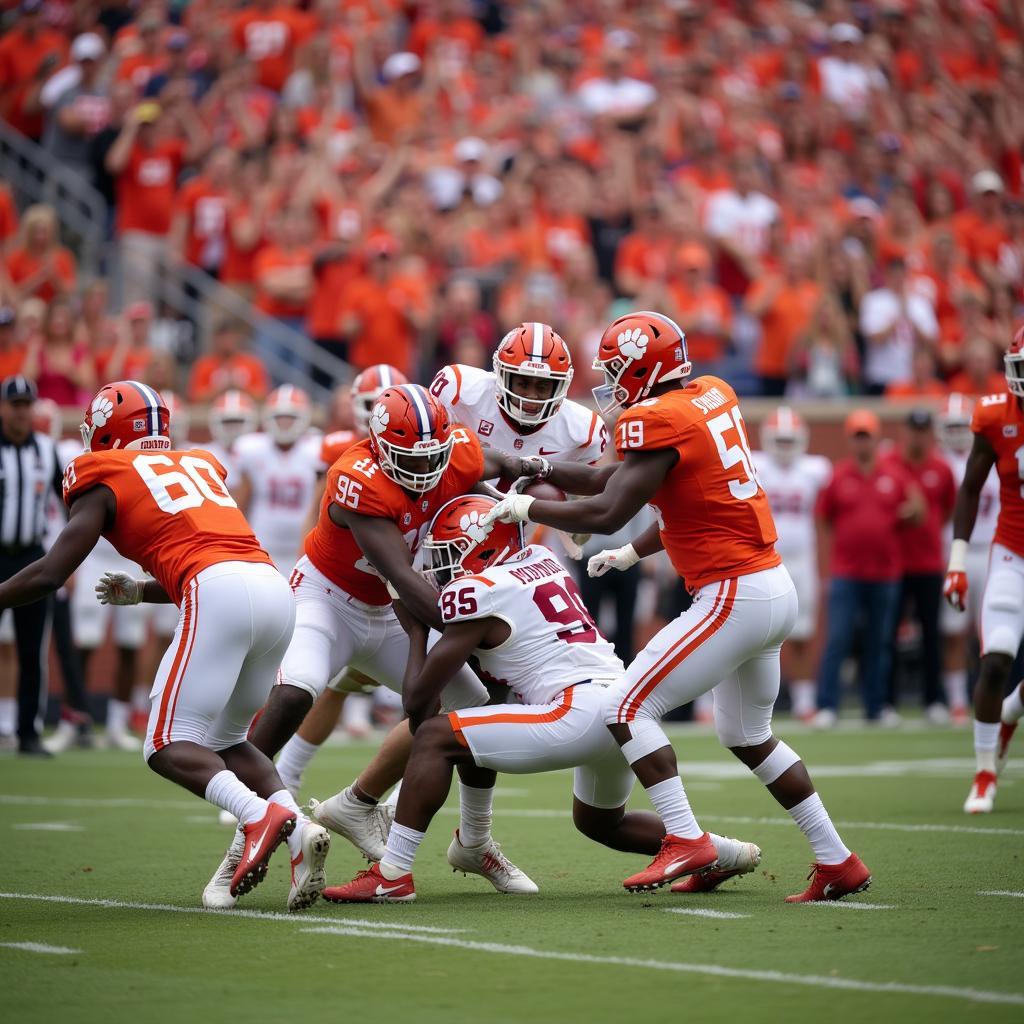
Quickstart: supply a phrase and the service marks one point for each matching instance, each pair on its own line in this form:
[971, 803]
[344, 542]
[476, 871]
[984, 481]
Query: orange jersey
[174, 515]
[713, 512]
[1000, 420]
[335, 445]
[356, 482]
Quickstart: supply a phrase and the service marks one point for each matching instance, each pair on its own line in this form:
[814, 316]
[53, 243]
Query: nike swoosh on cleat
[381, 891]
[677, 864]
[255, 845]
[827, 891]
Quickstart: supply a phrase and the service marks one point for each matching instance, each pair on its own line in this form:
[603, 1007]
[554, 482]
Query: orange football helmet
[411, 437]
[638, 351]
[784, 435]
[1013, 363]
[129, 415]
[532, 350]
[232, 414]
[953, 424]
[287, 414]
[368, 387]
[457, 545]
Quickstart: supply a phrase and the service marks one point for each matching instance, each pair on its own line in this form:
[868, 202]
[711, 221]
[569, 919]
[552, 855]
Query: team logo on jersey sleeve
[485, 429]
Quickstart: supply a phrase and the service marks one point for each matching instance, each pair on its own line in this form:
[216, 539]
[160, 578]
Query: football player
[684, 451]
[953, 426]
[998, 428]
[171, 512]
[277, 470]
[381, 495]
[792, 479]
[520, 614]
[232, 415]
[318, 725]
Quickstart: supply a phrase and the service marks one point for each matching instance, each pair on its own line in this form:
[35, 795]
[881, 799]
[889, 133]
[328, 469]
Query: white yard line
[47, 826]
[712, 970]
[1003, 892]
[256, 915]
[39, 947]
[718, 915]
[843, 904]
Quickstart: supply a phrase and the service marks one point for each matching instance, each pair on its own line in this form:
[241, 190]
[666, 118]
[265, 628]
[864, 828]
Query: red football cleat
[1006, 731]
[372, 887]
[677, 857]
[834, 881]
[261, 840]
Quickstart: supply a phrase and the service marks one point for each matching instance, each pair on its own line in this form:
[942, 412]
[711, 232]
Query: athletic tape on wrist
[779, 761]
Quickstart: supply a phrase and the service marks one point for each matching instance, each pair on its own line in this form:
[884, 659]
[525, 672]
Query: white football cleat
[118, 739]
[488, 861]
[217, 894]
[982, 796]
[826, 718]
[735, 857]
[361, 824]
[227, 819]
[63, 737]
[308, 875]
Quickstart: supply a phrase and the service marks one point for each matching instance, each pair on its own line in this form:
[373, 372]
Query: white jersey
[573, 434]
[988, 502]
[792, 494]
[554, 642]
[283, 482]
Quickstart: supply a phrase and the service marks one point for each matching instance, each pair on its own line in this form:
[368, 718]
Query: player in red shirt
[684, 451]
[998, 427]
[170, 512]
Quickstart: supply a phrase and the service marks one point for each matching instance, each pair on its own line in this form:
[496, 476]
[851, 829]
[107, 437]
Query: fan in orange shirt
[397, 106]
[981, 229]
[283, 270]
[645, 254]
[699, 306]
[29, 53]
[199, 227]
[923, 384]
[269, 33]
[227, 367]
[979, 375]
[40, 266]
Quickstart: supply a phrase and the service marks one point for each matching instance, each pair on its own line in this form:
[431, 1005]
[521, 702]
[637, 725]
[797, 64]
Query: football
[544, 491]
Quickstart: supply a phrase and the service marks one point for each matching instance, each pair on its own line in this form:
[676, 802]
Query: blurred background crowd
[828, 196]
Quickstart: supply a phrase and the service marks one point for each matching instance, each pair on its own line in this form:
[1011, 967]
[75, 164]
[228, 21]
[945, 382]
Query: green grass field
[105, 860]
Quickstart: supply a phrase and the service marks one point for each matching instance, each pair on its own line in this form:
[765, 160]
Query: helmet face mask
[533, 351]
[1013, 364]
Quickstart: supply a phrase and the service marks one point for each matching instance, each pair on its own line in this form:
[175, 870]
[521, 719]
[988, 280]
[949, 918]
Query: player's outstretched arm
[382, 543]
[628, 489]
[421, 694]
[89, 515]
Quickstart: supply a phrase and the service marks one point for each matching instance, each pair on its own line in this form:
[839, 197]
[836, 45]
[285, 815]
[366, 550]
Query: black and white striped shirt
[29, 473]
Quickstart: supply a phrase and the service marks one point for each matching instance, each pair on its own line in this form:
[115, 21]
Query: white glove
[119, 588]
[513, 508]
[612, 558]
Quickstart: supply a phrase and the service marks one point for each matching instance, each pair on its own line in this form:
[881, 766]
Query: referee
[29, 470]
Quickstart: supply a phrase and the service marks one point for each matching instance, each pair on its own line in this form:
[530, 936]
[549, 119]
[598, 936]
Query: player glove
[513, 508]
[955, 588]
[612, 558]
[535, 467]
[119, 588]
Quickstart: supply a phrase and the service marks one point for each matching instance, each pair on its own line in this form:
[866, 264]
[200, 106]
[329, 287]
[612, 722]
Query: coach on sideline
[29, 470]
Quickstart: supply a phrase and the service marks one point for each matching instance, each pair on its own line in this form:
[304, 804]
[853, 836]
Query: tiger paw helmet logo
[102, 410]
[379, 418]
[633, 344]
[471, 526]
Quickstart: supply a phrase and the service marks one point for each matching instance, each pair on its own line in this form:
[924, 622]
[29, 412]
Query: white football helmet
[784, 435]
[287, 414]
[232, 415]
[953, 424]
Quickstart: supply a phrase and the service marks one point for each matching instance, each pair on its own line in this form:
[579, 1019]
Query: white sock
[293, 759]
[117, 716]
[673, 807]
[8, 716]
[1013, 707]
[401, 851]
[803, 693]
[986, 739]
[814, 822]
[226, 791]
[285, 799]
[474, 815]
[392, 798]
[349, 796]
[955, 684]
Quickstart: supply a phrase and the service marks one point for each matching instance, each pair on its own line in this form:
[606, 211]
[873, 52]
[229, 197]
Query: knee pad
[646, 736]
[779, 761]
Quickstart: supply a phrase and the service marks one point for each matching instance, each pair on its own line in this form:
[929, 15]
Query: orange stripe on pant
[512, 717]
[674, 647]
[674, 656]
[174, 675]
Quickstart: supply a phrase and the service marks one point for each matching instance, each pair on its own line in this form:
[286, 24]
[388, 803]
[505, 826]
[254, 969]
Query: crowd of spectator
[826, 195]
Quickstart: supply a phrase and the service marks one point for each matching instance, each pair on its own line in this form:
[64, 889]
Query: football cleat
[677, 857]
[1006, 731]
[734, 858]
[834, 881]
[119, 739]
[982, 796]
[371, 886]
[217, 894]
[308, 875]
[489, 862]
[361, 824]
[261, 839]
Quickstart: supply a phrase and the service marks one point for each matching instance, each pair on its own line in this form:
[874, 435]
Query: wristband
[958, 556]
